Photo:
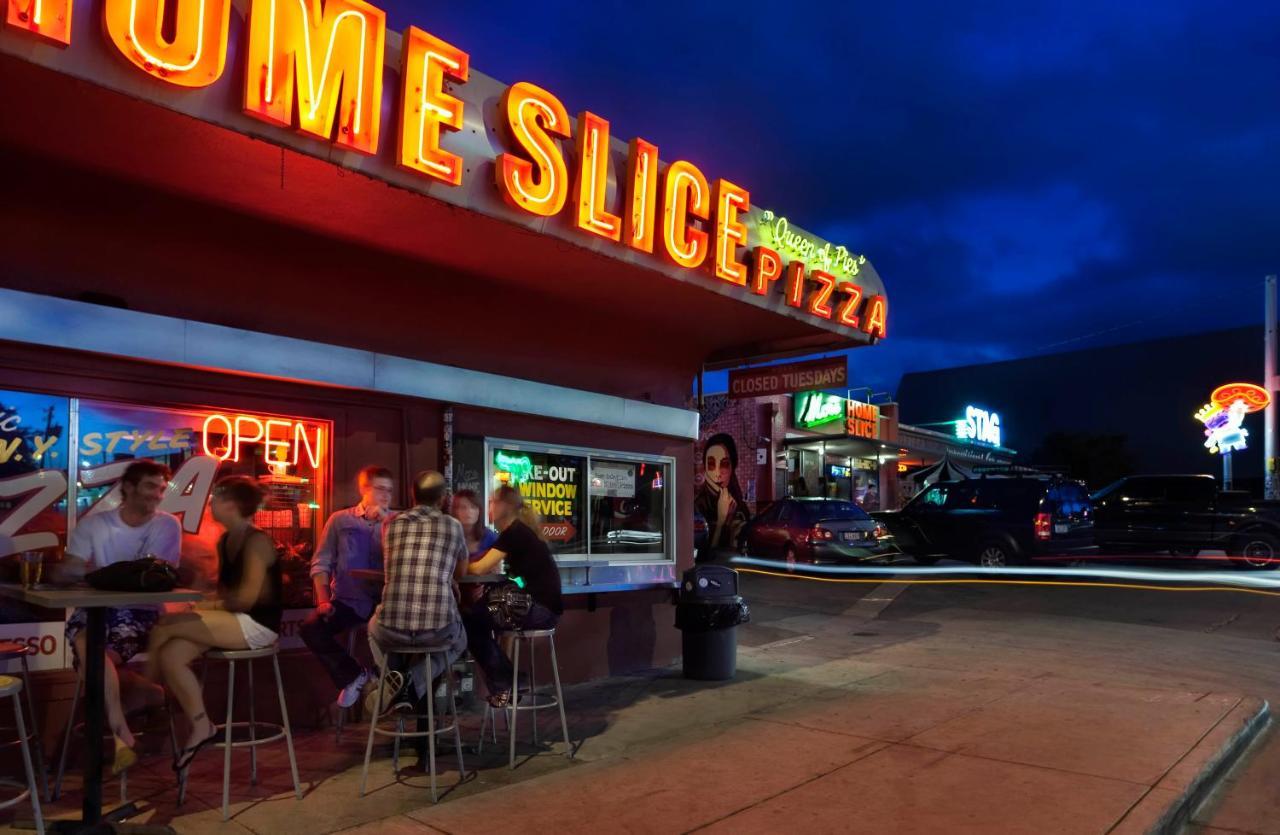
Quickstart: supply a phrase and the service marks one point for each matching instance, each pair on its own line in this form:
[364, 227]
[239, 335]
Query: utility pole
[1270, 490]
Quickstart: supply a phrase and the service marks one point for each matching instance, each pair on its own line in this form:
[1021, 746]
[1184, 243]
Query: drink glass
[32, 568]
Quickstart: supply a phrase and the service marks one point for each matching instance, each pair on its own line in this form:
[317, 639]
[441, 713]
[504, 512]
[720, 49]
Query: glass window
[553, 486]
[628, 507]
[287, 456]
[1192, 491]
[33, 507]
[935, 496]
[1143, 489]
[770, 514]
[816, 511]
[963, 495]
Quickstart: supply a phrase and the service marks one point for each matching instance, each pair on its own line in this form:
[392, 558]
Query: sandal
[124, 760]
[499, 701]
[183, 758]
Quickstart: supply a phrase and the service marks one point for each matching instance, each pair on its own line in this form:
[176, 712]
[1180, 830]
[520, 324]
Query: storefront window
[553, 486]
[606, 507]
[628, 507]
[287, 456]
[33, 510]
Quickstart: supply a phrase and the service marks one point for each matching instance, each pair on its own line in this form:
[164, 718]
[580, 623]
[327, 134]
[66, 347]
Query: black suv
[996, 520]
[1183, 515]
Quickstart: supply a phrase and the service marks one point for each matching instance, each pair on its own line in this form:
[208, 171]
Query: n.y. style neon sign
[318, 65]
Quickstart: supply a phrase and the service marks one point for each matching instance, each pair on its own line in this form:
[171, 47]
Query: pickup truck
[1184, 515]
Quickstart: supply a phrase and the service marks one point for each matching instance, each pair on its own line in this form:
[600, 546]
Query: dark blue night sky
[1027, 177]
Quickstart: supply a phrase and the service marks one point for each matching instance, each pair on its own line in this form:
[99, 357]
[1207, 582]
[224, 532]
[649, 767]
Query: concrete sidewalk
[834, 723]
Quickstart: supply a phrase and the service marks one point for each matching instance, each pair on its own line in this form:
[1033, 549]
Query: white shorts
[256, 635]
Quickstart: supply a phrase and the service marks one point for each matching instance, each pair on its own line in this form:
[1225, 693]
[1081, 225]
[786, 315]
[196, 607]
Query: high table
[95, 603]
[377, 575]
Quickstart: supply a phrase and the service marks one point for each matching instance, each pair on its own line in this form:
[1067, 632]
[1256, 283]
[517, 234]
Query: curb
[1178, 814]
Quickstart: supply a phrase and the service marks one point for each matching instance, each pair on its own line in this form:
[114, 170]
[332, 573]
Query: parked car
[700, 536]
[996, 520]
[1184, 515]
[812, 530]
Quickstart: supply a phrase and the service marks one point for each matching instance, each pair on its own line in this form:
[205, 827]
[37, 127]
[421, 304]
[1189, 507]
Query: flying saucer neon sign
[1223, 415]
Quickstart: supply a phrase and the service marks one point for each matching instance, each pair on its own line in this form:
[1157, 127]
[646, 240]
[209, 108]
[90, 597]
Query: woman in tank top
[245, 614]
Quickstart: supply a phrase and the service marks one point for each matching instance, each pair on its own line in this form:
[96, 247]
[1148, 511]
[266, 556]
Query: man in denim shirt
[352, 539]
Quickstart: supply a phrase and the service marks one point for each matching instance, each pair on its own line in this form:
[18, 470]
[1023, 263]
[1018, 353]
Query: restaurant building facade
[818, 443]
[288, 246]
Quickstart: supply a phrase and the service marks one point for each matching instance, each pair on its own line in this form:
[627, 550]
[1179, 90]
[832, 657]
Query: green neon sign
[815, 408]
[520, 466]
[776, 232]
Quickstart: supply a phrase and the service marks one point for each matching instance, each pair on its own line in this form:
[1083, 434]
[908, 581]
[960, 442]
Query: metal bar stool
[512, 710]
[15, 651]
[231, 656]
[72, 725]
[400, 733]
[10, 687]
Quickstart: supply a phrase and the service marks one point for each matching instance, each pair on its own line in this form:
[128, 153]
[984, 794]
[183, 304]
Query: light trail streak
[1244, 581]
[958, 582]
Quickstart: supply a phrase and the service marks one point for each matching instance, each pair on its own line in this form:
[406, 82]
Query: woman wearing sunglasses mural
[719, 498]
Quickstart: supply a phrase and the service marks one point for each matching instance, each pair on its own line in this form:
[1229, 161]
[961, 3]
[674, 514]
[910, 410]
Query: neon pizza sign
[318, 66]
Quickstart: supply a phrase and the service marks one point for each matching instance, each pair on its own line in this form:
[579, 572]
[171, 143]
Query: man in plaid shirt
[424, 555]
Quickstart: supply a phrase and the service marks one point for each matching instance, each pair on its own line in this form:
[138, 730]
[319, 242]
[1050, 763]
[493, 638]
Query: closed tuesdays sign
[763, 381]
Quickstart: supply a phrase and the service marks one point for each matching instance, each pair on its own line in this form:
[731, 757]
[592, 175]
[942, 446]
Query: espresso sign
[784, 379]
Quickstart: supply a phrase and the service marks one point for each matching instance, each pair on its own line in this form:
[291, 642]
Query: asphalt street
[1235, 645]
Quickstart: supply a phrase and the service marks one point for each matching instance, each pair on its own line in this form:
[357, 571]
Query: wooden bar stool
[11, 687]
[275, 732]
[534, 702]
[15, 651]
[400, 733]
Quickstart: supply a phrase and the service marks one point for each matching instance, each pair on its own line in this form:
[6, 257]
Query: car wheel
[1256, 550]
[789, 556]
[995, 554]
[1184, 552]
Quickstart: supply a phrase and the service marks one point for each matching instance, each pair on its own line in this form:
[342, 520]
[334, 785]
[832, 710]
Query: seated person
[245, 614]
[528, 558]
[131, 531]
[465, 507]
[425, 555]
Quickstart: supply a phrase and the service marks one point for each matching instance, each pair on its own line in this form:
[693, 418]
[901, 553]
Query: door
[763, 534]
[1132, 514]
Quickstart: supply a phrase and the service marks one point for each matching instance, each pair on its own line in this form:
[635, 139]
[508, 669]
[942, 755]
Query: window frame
[585, 558]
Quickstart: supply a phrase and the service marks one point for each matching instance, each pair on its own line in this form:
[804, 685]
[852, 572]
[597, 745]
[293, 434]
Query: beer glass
[32, 567]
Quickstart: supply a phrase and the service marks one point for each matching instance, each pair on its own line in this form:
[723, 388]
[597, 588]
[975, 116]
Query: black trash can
[708, 614]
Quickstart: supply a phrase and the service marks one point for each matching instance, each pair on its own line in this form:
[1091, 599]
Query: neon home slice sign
[318, 66]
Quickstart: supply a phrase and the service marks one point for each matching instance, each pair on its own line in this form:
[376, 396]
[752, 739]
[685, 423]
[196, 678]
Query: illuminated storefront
[61, 459]
[291, 270]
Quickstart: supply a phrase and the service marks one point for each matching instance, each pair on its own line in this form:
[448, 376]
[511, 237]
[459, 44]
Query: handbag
[508, 605]
[148, 574]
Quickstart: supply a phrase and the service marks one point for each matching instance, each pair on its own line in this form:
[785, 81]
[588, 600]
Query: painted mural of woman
[719, 498]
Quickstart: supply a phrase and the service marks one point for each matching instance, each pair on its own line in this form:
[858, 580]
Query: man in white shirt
[131, 531]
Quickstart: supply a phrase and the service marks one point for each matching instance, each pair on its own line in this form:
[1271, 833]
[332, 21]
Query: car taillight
[880, 532]
[821, 535]
[1044, 525]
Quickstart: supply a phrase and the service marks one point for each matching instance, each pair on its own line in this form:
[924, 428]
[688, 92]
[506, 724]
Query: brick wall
[752, 424]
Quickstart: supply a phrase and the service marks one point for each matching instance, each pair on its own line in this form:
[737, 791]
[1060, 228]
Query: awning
[944, 470]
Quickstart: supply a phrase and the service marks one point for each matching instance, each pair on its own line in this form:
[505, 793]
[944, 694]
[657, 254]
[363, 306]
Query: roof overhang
[85, 106]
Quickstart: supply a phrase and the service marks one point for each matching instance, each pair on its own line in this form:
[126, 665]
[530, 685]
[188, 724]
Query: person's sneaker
[350, 694]
[391, 683]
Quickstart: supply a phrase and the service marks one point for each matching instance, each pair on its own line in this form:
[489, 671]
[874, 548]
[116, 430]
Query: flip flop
[184, 758]
[124, 760]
